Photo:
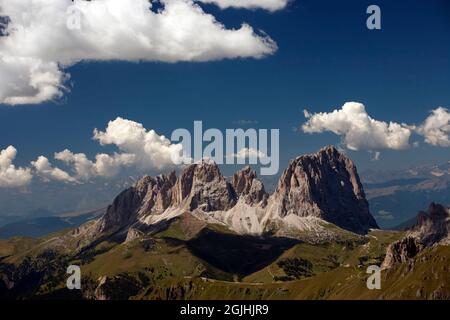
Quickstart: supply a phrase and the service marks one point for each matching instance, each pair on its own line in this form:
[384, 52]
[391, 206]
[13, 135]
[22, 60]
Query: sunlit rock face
[324, 185]
[315, 190]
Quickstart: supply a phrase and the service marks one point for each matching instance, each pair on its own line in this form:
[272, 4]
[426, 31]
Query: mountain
[396, 196]
[432, 227]
[412, 173]
[314, 193]
[40, 226]
[325, 185]
[52, 197]
[33, 214]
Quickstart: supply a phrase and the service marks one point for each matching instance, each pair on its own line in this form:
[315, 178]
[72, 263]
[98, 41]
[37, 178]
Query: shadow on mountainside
[236, 254]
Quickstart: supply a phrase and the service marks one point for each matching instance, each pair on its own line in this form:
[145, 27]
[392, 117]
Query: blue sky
[326, 56]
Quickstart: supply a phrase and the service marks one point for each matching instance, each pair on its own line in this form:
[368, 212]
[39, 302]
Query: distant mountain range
[47, 199]
[396, 196]
[40, 226]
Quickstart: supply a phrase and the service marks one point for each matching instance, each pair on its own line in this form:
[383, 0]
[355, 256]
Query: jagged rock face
[203, 187]
[158, 196]
[122, 211]
[248, 186]
[184, 184]
[325, 185]
[133, 234]
[200, 186]
[431, 228]
[401, 251]
[147, 196]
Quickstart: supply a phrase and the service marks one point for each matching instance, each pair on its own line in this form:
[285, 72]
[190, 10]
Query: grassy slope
[14, 250]
[339, 270]
[179, 267]
[165, 259]
[16, 245]
[430, 279]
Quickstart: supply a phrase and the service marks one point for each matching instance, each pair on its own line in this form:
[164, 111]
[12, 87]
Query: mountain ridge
[432, 228]
[314, 191]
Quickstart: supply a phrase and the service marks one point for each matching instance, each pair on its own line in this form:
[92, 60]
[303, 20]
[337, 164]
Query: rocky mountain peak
[325, 185]
[401, 251]
[246, 184]
[432, 228]
[433, 225]
[122, 211]
[435, 214]
[242, 180]
[149, 194]
[202, 185]
[158, 195]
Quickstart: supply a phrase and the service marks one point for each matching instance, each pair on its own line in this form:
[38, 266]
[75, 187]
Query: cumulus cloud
[149, 150]
[10, 175]
[39, 45]
[139, 149]
[358, 130]
[104, 165]
[249, 153]
[108, 166]
[270, 5]
[45, 170]
[436, 128]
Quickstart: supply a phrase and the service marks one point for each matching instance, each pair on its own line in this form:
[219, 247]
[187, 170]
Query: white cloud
[109, 166]
[149, 149]
[436, 128]
[270, 5]
[104, 165]
[247, 153]
[358, 130]
[81, 165]
[139, 149]
[28, 80]
[46, 171]
[10, 175]
[39, 45]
